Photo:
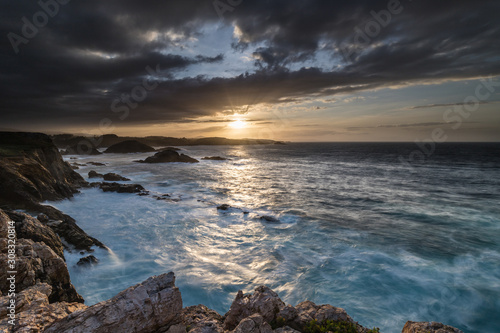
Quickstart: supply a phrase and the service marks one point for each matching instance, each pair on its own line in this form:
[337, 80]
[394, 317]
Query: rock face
[94, 174]
[34, 312]
[428, 327]
[154, 304]
[169, 156]
[129, 146]
[31, 228]
[32, 170]
[198, 319]
[88, 261]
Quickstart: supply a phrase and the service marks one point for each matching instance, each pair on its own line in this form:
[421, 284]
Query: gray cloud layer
[92, 52]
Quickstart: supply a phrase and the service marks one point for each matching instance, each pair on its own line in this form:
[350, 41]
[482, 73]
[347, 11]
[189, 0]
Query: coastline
[40, 243]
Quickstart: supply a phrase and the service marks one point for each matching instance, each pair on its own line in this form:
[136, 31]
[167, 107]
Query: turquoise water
[358, 230]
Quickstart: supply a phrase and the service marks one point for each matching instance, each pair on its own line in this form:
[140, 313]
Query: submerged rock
[129, 146]
[224, 207]
[88, 261]
[121, 188]
[97, 164]
[215, 158]
[269, 219]
[169, 156]
[428, 327]
[147, 307]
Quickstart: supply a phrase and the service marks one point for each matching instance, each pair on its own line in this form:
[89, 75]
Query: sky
[294, 70]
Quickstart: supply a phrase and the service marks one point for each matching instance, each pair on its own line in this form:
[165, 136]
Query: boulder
[33, 311]
[88, 261]
[428, 327]
[199, 319]
[150, 306]
[169, 156]
[253, 324]
[224, 207]
[129, 146]
[263, 301]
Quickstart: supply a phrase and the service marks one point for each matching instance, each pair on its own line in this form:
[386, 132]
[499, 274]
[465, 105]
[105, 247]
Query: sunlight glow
[238, 124]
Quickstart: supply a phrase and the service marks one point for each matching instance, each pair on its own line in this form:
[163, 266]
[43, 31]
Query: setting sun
[238, 124]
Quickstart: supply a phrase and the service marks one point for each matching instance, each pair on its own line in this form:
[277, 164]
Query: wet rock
[121, 188]
[97, 164]
[34, 313]
[94, 174]
[88, 261]
[129, 146]
[215, 158]
[113, 177]
[269, 219]
[263, 301]
[224, 207]
[169, 156]
[428, 327]
[36, 262]
[147, 307]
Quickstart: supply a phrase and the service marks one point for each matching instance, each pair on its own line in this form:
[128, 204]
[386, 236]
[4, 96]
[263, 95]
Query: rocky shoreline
[32, 171]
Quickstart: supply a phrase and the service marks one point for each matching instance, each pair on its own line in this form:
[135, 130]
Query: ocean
[359, 228]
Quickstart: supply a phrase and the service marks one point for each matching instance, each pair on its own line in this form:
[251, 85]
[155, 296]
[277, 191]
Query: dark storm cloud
[92, 52]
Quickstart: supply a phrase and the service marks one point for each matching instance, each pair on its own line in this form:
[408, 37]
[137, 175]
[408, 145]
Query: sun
[238, 124]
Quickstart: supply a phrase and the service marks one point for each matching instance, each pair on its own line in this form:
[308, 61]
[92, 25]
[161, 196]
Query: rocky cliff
[31, 171]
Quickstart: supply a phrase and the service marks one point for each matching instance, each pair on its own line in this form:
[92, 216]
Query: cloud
[93, 52]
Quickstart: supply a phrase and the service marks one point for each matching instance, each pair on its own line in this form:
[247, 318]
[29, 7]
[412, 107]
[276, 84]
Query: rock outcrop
[112, 177]
[81, 149]
[428, 327]
[32, 170]
[147, 307]
[34, 312]
[129, 146]
[169, 156]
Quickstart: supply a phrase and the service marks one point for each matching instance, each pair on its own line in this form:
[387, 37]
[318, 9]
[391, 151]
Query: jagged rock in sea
[88, 261]
[215, 158]
[428, 327]
[269, 219]
[169, 156]
[147, 307]
[112, 177]
[129, 146]
[34, 311]
[94, 174]
[223, 207]
[120, 188]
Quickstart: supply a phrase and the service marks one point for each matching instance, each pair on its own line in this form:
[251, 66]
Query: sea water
[359, 228]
